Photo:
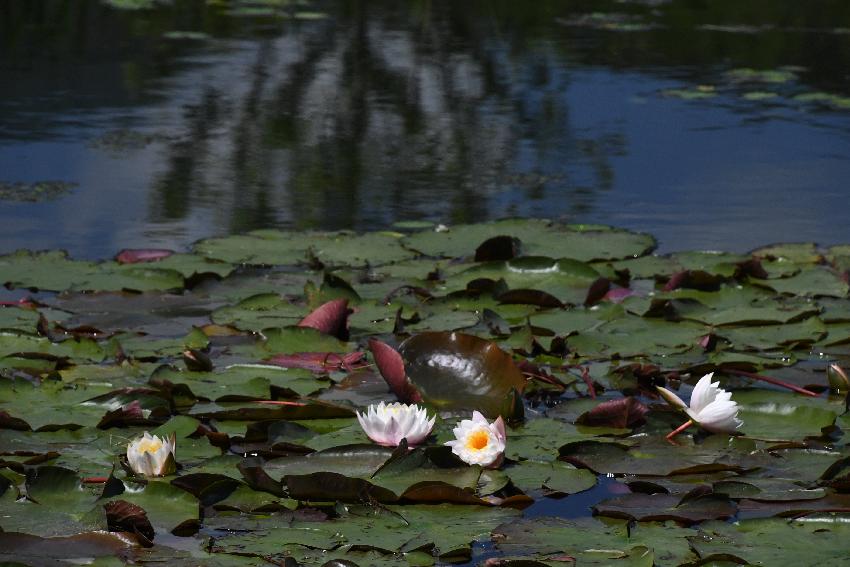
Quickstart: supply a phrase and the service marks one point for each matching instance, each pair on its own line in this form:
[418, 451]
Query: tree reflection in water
[377, 112]
[380, 114]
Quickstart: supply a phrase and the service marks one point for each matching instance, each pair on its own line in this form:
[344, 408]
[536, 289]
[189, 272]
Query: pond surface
[710, 125]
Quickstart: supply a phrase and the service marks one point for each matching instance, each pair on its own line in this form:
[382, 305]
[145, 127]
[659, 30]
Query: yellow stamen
[478, 440]
[149, 445]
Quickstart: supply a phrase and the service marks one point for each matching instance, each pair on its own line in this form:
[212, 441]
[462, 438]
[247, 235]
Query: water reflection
[380, 111]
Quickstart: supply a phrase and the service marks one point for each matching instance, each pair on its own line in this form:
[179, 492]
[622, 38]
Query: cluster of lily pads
[429, 395]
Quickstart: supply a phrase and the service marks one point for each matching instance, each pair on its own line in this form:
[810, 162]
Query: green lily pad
[765, 541]
[260, 311]
[257, 381]
[169, 508]
[652, 456]
[771, 337]
[289, 340]
[781, 415]
[18, 319]
[539, 439]
[592, 542]
[56, 272]
[555, 476]
[812, 282]
[355, 461]
[446, 528]
[538, 237]
[271, 247]
[81, 350]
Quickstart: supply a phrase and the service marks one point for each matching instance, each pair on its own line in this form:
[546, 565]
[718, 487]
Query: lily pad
[537, 237]
[56, 272]
[554, 476]
[457, 371]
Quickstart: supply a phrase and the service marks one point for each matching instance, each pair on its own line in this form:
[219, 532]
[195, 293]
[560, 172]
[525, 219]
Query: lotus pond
[256, 350]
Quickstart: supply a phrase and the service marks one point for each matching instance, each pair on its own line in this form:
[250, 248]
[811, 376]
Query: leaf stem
[770, 380]
[679, 429]
[585, 375]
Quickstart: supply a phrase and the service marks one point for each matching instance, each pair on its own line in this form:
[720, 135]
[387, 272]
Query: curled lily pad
[620, 413]
[330, 318]
[453, 371]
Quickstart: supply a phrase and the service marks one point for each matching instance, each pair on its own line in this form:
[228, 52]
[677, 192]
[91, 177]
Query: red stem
[553, 380]
[95, 479]
[770, 380]
[585, 375]
[279, 403]
[679, 429]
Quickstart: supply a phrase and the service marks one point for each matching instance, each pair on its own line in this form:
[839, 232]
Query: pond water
[710, 125]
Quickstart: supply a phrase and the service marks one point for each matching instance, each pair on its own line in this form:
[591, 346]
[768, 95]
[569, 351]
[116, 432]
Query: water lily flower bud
[479, 442]
[152, 456]
[388, 424]
[838, 380]
[711, 407]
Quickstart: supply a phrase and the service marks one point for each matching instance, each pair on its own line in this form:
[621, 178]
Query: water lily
[151, 455]
[479, 442]
[711, 407]
[388, 424]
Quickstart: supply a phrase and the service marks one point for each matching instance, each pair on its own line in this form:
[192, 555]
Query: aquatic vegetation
[534, 351]
[37, 192]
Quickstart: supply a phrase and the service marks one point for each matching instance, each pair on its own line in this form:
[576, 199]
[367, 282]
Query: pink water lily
[388, 424]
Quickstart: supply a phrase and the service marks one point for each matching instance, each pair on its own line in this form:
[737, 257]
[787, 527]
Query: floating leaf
[123, 516]
[621, 413]
[458, 371]
[555, 477]
[330, 318]
[661, 507]
[18, 548]
[537, 237]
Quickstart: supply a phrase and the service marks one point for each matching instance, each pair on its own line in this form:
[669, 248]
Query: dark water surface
[709, 124]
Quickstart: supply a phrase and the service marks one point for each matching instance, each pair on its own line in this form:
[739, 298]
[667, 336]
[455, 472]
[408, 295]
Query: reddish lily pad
[454, 371]
[137, 255]
[621, 413]
[330, 318]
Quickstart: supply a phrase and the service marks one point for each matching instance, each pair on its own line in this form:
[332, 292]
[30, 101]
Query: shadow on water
[189, 120]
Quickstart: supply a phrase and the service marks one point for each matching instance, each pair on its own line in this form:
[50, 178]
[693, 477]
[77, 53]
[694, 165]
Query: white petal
[477, 417]
[704, 392]
[719, 416]
[388, 424]
[490, 454]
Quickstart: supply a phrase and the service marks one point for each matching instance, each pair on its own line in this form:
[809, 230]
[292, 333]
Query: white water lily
[711, 407]
[479, 442]
[151, 455]
[388, 424]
